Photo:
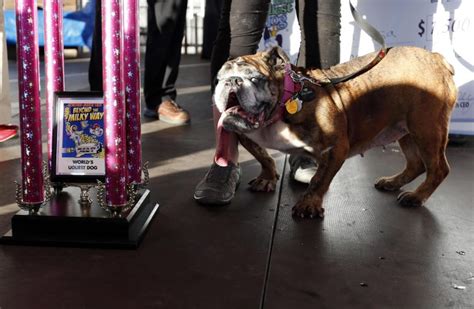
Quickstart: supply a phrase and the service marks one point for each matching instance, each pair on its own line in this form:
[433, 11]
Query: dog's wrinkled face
[248, 89]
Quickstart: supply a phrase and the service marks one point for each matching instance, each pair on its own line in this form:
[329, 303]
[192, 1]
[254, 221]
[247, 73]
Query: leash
[295, 93]
[372, 32]
[375, 35]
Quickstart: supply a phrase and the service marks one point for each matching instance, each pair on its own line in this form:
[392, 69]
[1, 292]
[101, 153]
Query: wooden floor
[368, 252]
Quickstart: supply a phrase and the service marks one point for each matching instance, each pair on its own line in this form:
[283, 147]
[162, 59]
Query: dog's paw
[306, 208]
[263, 184]
[409, 199]
[387, 184]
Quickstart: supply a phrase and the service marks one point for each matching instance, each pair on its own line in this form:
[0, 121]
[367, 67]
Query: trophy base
[64, 221]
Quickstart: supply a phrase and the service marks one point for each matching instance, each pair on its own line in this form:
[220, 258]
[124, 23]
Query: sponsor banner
[443, 26]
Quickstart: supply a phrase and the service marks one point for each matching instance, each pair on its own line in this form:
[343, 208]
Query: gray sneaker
[302, 169]
[219, 185]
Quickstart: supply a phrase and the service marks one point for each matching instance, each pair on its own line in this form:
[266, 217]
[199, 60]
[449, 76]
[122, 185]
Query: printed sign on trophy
[78, 137]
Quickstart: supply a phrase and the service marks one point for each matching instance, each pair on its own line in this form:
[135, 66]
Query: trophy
[94, 139]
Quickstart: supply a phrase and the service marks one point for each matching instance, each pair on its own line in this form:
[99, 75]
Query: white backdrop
[444, 26]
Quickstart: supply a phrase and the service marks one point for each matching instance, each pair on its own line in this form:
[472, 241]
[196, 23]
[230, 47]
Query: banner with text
[443, 26]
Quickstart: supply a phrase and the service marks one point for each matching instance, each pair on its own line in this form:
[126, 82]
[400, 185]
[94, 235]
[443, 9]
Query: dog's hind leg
[432, 149]
[414, 167]
[268, 177]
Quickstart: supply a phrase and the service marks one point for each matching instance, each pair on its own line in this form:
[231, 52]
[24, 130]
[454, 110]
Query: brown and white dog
[407, 97]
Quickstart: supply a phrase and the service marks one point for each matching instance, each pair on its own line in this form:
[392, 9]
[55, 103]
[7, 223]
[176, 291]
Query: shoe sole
[8, 138]
[211, 202]
[173, 121]
[302, 177]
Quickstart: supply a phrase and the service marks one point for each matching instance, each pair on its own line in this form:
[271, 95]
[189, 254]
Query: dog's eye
[254, 80]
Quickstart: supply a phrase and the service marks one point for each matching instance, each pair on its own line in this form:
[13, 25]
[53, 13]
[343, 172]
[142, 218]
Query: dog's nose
[234, 81]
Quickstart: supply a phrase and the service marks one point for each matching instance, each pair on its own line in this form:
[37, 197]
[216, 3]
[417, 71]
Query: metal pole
[30, 104]
[131, 53]
[196, 44]
[114, 105]
[54, 60]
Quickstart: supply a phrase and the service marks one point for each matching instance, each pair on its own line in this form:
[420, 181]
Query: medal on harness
[293, 105]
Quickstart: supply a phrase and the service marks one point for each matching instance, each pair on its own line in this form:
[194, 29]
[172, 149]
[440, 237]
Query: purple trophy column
[29, 100]
[132, 89]
[54, 60]
[114, 105]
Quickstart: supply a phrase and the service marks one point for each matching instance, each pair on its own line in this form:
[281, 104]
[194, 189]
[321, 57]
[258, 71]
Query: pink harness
[291, 86]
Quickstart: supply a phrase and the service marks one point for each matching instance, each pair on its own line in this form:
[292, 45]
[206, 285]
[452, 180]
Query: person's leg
[240, 30]
[320, 22]
[322, 25]
[226, 148]
[210, 26]
[95, 64]
[235, 38]
[166, 22]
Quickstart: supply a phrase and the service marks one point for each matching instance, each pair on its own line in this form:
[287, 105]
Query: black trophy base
[64, 222]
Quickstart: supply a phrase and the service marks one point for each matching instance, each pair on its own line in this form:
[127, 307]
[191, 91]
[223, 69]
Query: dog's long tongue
[223, 143]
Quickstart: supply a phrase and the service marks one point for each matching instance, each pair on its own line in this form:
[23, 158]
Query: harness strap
[290, 86]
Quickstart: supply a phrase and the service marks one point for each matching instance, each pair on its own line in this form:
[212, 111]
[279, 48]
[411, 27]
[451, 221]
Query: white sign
[443, 26]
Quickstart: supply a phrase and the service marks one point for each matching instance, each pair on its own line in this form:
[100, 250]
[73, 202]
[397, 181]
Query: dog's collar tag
[293, 105]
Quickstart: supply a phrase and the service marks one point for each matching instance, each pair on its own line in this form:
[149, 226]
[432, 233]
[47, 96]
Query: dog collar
[294, 94]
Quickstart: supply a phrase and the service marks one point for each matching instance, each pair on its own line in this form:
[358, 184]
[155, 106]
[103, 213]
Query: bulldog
[407, 97]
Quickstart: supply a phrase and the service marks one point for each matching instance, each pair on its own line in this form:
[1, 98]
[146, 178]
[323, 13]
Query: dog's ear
[276, 57]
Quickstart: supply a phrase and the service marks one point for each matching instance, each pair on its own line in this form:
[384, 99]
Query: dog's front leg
[268, 177]
[329, 163]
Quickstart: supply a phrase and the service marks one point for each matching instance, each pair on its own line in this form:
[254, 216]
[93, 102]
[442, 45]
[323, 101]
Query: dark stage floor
[252, 253]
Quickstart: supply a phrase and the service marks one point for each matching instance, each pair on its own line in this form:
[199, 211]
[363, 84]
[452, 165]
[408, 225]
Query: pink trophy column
[30, 104]
[54, 60]
[132, 89]
[114, 105]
